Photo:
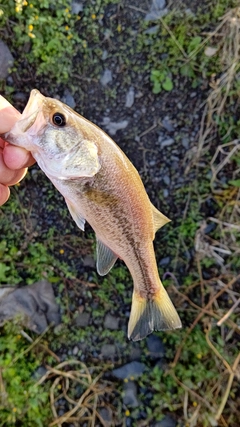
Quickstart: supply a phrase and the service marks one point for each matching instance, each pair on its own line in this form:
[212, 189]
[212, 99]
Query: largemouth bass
[100, 185]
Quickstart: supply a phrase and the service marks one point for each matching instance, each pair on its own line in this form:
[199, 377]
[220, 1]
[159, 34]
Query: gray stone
[113, 127]
[157, 10]
[130, 98]
[155, 346]
[129, 371]
[75, 350]
[82, 319]
[108, 351]
[165, 193]
[88, 261]
[167, 124]
[166, 180]
[106, 77]
[130, 394]
[106, 414]
[104, 55]
[69, 99]
[165, 261]
[111, 322]
[40, 371]
[6, 60]
[166, 142]
[35, 304]
[167, 421]
[185, 142]
[152, 30]
[76, 7]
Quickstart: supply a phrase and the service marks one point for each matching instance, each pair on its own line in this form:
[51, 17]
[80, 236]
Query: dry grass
[226, 38]
[65, 377]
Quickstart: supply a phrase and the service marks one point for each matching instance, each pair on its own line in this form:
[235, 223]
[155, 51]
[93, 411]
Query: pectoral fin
[159, 219]
[80, 221]
[106, 258]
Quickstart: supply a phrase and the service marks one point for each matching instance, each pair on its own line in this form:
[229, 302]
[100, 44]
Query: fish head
[51, 131]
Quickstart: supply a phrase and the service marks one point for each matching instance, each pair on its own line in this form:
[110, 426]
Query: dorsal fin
[159, 219]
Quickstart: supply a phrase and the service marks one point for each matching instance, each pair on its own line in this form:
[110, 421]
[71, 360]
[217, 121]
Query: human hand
[13, 160]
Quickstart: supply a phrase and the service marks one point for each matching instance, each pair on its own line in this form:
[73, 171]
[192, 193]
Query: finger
[8, 115]
[4, 194]
[17, 158]
[8, 176]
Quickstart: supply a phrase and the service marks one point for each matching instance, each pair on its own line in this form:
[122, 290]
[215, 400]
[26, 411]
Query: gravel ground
[156, 133]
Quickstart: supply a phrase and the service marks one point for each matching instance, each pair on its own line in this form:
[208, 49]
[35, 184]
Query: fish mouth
[27, 120]
[31, 110]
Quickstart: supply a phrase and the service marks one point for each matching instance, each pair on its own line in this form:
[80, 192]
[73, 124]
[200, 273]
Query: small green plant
[21, 400]
[161, 80]
[46, 30]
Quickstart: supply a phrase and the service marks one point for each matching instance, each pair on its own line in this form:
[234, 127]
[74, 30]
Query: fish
[101, 186]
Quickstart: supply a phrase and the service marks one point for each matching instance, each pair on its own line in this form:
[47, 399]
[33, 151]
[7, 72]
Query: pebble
[155, 346]
[167, 124]
[166, 142]
[165, 193]
[88, 261]
[106, 414]
[157, 10]
[165, 261]
[108, 351]
[166, 180]
[76, 7]
[113, 127]
[111, 322]
[130, 394]
[130, 98]
[152, 30]
[104, 55]
[167, 421]
[82, 319]
[40, 371]
[75, 350]
[185, 142]
[106, 77]
[68, 99]
[6, 60]
[130, 370]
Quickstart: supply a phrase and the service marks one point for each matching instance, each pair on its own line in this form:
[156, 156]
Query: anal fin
[155, 314]
[106, 258]
[80, 221]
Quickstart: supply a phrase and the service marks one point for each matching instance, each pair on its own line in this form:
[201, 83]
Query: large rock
[6, 60]
[35, 304]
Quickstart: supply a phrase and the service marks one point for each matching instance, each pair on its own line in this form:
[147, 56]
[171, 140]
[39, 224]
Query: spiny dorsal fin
[106, 258]
[158, 218]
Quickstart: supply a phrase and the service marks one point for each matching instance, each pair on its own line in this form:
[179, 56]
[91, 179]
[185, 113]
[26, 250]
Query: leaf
[3, 269]
[234, 182]
[167, 84]
[194, 43]
[156, 88]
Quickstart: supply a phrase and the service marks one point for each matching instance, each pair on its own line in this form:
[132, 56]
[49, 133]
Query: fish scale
[100, 185]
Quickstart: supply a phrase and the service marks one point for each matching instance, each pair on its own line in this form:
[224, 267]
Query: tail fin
[155, 314]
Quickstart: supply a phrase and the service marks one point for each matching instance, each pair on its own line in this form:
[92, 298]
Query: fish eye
[59, 120]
